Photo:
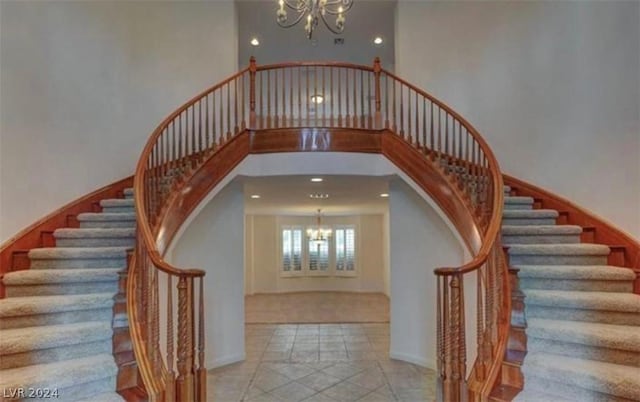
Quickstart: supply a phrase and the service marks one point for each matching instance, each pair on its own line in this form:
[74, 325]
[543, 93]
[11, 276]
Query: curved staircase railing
[304, 97]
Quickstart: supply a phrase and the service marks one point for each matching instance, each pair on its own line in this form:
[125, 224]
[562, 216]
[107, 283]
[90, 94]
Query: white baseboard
[224, 360]
[420, 361]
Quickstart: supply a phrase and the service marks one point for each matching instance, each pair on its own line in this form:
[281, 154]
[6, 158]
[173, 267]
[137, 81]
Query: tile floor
[316, 307]
[320, 363]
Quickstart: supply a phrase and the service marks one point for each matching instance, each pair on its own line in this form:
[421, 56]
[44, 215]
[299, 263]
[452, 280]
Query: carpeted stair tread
[60, 276]
[623, 302]
[65, 253]
[61, 374]
[50, 336]
[117, 202]
[104, 397]
[107, 216]
[30, 305]
[623, 337]
[577, 272]
[92, 233]
[528, 395]
[513, 199]
[540, 230]
[128, 191]
[578, 249]
[529, 213]
[613, 379]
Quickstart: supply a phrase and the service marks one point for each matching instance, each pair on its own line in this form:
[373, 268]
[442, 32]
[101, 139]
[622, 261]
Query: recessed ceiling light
[384, 195]
[378, 40]
[319, 196]
[317, 179]
[255, 196]
[317, 99]
[255, 42]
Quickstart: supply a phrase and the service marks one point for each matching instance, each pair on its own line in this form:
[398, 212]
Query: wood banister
[200, 142]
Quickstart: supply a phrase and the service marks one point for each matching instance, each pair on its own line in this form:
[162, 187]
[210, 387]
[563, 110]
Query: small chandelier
[314, 10]
[319, 234]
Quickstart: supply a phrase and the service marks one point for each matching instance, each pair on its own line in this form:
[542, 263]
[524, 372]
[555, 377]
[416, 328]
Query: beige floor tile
[319, 398]
[305, 356]
[343, 370]
[375, 397]
[267, 380]
[319, 381]
[293, 392]
[263, 397]
[287, 358]
[334, 355]
[346, 392]
[370, 379]
[291, 370]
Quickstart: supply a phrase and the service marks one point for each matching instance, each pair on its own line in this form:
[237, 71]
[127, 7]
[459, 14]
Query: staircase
[582, 318]
[64, 319]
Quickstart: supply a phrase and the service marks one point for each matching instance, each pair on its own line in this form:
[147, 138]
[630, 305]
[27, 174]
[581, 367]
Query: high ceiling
[366, 20]
[289, 195]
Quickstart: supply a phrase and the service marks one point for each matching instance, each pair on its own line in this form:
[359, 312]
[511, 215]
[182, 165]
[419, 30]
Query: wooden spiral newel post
[185, 349]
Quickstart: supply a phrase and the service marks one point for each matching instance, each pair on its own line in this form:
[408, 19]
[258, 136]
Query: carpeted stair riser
[78, 392]
[558, 254]
[107, 220]
[540, 239]
[512, 203]
[97, 242]
[56, 258]
[75, 379]
[48, 310]
[67, 317]
[95, 237]
[70, 288]
[576, 285]
[581, 351]
[569, 392]
[104, 397]
[51, 355]
[558, 259]
[107, 224]
[120, 263]
[571, 314]
[582, 379]
[528, 221]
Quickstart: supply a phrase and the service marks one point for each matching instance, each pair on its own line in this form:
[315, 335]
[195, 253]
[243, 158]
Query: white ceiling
[289, 195]
[365, 20]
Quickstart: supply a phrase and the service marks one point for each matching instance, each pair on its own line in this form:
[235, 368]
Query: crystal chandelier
[314, 10]
[319, 234]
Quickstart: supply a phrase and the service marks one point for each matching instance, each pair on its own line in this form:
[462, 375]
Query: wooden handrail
[285, 96]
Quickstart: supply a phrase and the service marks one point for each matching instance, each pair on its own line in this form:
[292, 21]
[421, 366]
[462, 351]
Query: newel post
[252, 92]
[376, 72]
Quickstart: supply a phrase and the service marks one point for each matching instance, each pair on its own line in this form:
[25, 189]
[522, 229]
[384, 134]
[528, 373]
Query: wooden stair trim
[599, 230]
[31, 236]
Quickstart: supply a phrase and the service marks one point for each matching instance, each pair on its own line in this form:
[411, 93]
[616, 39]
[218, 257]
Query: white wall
[262, 256]
[83, 84]
[420, 242]
[214, 242]
[553, 86]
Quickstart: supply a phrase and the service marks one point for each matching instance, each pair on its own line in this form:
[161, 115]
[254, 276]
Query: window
[318, 256]
[302, 256]
[291, 249]
[345, 246]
